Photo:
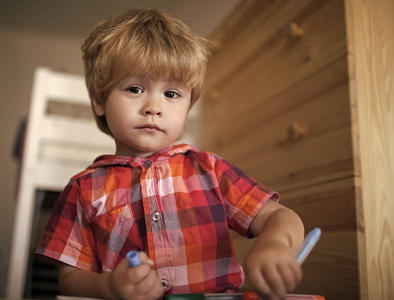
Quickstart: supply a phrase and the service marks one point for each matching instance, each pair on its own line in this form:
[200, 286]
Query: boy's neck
[134, 152]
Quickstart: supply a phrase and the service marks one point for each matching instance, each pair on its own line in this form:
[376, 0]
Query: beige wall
[20, 53]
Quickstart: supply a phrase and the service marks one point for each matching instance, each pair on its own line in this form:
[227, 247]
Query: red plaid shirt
[175, 205]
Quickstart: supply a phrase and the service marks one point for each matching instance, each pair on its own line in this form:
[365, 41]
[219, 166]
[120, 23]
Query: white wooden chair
[61, 139]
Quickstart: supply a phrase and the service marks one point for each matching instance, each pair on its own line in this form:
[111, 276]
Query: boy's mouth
[150, 127]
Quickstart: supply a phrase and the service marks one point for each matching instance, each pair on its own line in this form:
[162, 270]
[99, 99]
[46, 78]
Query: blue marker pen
[133, 258]
[308, 244]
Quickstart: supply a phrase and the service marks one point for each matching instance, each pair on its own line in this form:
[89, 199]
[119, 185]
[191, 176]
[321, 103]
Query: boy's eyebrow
[171, 81]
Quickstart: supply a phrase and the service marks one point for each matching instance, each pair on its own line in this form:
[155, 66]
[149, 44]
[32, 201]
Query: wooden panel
[319, 102]
[264, 53]
[242, 44]
[239, 20]
[260, 81]
[274, 81]
[332, 268]
[330, 206]
[335, 265]
[371, 38]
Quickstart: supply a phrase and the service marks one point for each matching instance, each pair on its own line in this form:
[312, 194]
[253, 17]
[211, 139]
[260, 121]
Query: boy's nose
[154, 111]
[152, 107]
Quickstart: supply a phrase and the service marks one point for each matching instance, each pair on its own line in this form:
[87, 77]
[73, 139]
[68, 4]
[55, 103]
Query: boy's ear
[98, 108]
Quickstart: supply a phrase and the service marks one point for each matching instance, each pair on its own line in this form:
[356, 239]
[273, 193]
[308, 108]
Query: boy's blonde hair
[142, 43]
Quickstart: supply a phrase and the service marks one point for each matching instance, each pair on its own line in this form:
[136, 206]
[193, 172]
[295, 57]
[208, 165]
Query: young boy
[144, 70]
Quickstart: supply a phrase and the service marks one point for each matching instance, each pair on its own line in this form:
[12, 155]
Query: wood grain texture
[319, 102]
[274, 81]
[332, 268]
[335, 82]
[263, 52]
[371, 39]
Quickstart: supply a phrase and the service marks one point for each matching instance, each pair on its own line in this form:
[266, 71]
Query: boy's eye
[171, 94]
[135, 90]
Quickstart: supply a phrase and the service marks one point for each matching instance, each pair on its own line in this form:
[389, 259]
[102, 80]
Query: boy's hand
[272, 269]
[135, 283]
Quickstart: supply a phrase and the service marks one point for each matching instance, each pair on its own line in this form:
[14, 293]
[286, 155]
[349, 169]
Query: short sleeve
[243, 196]
[68, 236]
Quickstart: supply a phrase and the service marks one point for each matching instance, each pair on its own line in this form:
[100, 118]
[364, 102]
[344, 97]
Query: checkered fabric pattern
[176, 205]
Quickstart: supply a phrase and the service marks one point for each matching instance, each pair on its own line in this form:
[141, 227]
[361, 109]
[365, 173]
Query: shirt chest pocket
[115, 232]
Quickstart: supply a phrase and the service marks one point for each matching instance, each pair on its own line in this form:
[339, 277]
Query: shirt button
[164, 284]
[148, 164]
[156, 216]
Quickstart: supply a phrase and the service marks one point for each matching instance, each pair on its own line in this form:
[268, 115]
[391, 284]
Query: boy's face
[145, 115]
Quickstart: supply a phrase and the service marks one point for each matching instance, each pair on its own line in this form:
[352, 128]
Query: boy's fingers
[149, 288]
[145, 259]
[136, 274]
[151, 285]
[133, 275]
[274, 282]
[288, 277]
[297, 271]
[258, 282]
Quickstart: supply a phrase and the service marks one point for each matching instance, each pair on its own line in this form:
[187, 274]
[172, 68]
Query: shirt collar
[108, 160]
